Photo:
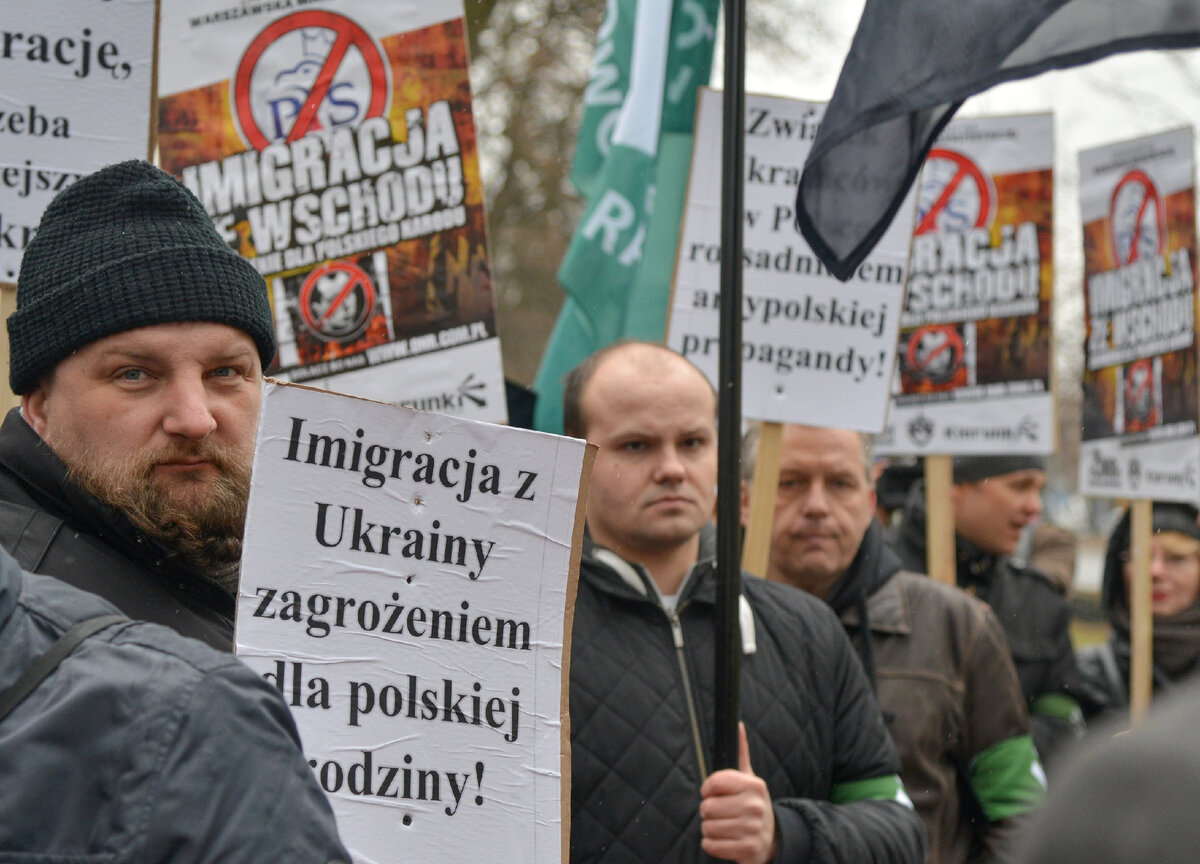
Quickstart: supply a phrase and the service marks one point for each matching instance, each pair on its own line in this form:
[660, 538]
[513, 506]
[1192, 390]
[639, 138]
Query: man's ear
[33, 409]
[746, 504]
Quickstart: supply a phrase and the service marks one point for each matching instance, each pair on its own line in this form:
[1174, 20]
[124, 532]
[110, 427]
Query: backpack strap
[48, 662]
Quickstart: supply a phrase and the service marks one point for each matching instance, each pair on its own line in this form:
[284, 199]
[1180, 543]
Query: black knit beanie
[971, 469]
[126, 247]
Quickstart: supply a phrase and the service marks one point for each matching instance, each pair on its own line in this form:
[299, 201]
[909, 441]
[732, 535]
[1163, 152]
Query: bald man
[817, 778]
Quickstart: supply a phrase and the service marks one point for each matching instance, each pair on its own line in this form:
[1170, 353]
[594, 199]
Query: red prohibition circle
[356, 278]
[1139, 389]
[348, 34]
[965, 169]
[952, 343]
[1150, 197]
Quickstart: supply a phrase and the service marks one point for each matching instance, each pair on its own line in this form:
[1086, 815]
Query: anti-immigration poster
[1139, 383]
[334, 146]
[975, 335]
[61, 60]
[814, 351]
[406, 584]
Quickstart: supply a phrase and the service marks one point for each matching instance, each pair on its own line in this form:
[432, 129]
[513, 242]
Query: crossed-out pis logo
[920, 429]
[306, 72]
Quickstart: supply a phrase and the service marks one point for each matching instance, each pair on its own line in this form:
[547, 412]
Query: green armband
[1059, 706]
[886, 788]
[1007, 778]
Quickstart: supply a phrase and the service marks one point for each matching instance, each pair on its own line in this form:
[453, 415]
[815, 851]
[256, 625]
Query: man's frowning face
[653, 486]
[160, 422]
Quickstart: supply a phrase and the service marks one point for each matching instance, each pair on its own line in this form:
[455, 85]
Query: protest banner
[975, 334]
[335, 148]
[406, 584]
[1137, 200]
[814, 351]
[62, 59]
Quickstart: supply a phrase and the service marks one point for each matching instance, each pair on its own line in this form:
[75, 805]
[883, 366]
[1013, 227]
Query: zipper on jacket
[677, 633]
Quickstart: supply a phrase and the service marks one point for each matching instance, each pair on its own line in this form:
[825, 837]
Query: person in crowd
[136, 744]
[818, 776]
[1126, 799]
[1175, 592]
[936, 656]
[137, 347]
[993, 499]
[1050, 549]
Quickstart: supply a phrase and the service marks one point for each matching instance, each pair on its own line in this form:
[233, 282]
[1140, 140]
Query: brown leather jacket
[952, 701]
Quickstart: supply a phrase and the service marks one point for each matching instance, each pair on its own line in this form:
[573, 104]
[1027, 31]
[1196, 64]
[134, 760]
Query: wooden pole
[1141, 624]
[939, 520]
[756, 544]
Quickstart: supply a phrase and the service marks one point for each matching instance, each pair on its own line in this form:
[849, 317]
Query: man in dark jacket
[817, 779]
[993, 499]
[137, 347]
[936, 656]
[143, 746]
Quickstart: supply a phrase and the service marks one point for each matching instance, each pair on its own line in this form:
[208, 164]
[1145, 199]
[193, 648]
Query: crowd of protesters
[885, 717]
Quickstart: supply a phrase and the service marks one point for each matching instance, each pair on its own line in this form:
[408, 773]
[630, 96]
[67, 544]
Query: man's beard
[198, 517]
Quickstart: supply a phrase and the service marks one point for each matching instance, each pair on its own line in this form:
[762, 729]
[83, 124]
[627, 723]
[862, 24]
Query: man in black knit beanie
[137, 347]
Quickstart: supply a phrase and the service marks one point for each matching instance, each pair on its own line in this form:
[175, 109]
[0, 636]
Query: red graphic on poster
[934, 359]
[1137, 219]
[955, 194]
[1140, 396]
[307, 71]
[336, 301]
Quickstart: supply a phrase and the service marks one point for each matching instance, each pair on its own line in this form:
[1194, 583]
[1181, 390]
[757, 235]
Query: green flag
[631, 165]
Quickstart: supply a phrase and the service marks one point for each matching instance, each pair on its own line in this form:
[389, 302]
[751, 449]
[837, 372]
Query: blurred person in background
[1175, 589]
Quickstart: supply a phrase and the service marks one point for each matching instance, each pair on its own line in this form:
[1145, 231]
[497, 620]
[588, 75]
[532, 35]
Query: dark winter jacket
[142, 747]
[52, 526]
[1104, 668]
[641, 722]
[1036, 622]
[951, 699]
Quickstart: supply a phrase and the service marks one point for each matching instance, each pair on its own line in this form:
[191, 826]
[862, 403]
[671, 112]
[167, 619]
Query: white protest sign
[1140, 382]
[406, 583]
[975, 335]
[77, 77]
[814, 350]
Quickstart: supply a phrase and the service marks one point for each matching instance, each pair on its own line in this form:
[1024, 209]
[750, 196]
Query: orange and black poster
[974, 351]
[1139, 383]
[334, 145]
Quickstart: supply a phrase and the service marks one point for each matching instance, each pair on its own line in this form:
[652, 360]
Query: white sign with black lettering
[814, 350]
[77, 93]
[406, 583]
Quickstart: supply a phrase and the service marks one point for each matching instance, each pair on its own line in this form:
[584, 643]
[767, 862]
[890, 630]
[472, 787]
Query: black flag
[912, 64]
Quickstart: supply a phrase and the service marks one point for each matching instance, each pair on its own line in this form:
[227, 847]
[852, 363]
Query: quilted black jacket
[641, 715]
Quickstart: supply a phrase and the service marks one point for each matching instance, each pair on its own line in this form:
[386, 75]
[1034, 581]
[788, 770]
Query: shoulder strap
[27, 534]
[48, 662]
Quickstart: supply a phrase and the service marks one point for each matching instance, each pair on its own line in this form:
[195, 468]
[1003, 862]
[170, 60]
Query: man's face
[823, 506]
[992, 513]
[160, 422]
[654, 481]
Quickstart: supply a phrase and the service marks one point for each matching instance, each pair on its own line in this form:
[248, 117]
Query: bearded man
[137, 348]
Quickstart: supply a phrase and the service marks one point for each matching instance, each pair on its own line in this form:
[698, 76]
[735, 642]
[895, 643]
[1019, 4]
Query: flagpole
[729, 392]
